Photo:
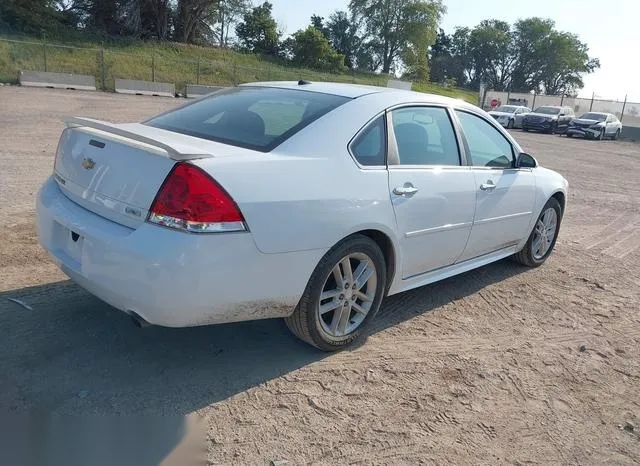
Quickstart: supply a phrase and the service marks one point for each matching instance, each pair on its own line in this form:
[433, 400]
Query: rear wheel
[343, 295]
[526, 130]
[569, 135]
[543, 237]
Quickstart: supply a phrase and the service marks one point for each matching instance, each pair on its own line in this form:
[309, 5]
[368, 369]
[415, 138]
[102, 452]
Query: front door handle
[407, 190]
[488, 186]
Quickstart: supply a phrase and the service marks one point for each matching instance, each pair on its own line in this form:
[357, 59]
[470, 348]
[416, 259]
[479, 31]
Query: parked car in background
[595, 125]
[307, 201]
[548, 119]
[510, 116]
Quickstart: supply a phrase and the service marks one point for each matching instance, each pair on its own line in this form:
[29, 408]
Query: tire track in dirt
[609, 231]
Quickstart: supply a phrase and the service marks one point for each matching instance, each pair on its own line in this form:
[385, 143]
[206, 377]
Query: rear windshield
[547, 110]
[594, 116]
[258, 118]
[507, 109]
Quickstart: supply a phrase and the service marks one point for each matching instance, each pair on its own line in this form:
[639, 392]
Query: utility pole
[624, 105]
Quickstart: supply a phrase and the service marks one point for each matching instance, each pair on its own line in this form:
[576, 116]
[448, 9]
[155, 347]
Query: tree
[318, 23]
[159, 17]
[397, 29]
[342, 31]
[31, 16]
[229, 13]
[258, 32]
[547, 59]
[194, 19]
[491, 53]
[310, 48]
[530, 56]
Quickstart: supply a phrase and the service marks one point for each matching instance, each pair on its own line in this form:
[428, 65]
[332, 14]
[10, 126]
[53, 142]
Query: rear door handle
[488, 186]
[406, 190]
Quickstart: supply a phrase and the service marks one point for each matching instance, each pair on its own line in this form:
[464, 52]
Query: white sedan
[510, 116]
[308, 201]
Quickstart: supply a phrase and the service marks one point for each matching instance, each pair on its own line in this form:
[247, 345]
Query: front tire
[342, 296]
[617, 135]
[510, 124]
[543, 237]
[601, 135]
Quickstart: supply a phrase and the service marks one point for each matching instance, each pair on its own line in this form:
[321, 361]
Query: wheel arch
[385, 243]
[561, 198]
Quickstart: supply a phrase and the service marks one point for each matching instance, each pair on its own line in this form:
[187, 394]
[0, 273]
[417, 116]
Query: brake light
[190, 200]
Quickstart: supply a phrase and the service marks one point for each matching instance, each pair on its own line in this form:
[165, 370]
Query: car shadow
[70, 352]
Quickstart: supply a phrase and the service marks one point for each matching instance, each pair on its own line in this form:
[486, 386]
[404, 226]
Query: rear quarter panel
[309, 193]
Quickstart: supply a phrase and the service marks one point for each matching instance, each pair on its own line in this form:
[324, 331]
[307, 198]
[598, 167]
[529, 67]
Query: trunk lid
[116, 170]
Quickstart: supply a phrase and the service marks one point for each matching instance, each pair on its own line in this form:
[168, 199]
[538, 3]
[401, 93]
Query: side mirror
[525, 160]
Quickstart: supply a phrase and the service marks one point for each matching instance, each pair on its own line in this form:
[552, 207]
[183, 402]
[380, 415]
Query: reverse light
[190, 200]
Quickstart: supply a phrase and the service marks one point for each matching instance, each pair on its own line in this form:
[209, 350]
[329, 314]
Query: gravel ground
[499, 365]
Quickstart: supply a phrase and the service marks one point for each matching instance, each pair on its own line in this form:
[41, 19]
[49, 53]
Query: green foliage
[33, 17]
[173, 62]
[258, 33]
[531, 55]
[342, 31]
[397, 29]
[310, 48]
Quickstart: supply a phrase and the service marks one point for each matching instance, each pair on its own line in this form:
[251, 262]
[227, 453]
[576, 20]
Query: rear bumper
[167, 277]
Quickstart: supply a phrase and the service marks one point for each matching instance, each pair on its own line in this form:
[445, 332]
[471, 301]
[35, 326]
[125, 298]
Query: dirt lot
[486, 367]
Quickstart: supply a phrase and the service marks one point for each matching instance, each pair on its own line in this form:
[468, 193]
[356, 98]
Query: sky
[610, 28]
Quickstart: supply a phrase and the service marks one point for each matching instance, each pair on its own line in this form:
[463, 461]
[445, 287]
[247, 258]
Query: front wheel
[543, 237]
[510, 124]
[342, 296]
[617, 135]
[554, 128]
[601, 135]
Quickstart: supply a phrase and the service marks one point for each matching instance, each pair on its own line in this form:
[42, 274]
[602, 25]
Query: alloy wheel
[347, 295]
[544, 233]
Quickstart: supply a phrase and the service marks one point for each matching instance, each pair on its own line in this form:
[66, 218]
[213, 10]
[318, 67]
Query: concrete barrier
[630, 133]
[131, 86]
[397, 84]
[197, 90]
[58, 80]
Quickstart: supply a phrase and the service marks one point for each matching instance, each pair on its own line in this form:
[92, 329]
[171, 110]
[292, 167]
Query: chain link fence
[164, 65]
[627, 112]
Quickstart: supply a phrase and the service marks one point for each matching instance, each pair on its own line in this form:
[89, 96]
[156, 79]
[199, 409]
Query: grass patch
[171, 62]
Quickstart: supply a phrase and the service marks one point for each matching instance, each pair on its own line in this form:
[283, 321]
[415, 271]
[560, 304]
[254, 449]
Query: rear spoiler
[174, 151]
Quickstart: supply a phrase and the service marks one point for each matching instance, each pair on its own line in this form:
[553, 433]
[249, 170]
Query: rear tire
[526, 130]
[539, 245]
[569, 135]
[337, 320]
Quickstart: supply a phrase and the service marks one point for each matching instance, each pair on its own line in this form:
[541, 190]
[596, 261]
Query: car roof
[354, 91]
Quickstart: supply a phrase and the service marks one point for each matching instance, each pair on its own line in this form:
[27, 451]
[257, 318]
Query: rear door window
[259, 118]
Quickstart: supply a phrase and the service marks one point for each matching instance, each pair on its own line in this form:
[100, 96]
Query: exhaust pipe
[138, 321]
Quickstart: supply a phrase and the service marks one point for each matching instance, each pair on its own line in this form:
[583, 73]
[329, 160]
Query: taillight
[190, 200]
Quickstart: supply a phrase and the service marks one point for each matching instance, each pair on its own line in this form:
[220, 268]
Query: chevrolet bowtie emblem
[88, 163]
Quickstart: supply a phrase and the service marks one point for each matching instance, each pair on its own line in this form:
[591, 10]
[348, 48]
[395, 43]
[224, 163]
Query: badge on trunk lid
[88, 163]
